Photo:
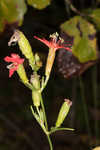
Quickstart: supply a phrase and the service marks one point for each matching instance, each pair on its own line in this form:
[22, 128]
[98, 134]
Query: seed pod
[63, 112]
[24, 45]
[22, 74]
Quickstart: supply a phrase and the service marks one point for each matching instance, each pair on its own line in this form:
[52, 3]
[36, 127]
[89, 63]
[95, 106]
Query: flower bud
[36, 97]
[63, 112]
[35, 81]
[38, 61]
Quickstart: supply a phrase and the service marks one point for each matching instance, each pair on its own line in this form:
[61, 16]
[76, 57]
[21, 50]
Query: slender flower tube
[54, 44]
[24, 45]
[63, 112]
[16, 65]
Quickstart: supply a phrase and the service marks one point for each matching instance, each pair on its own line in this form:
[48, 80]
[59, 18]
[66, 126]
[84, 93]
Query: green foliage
[83, 32]
[95, 14]
[11, 11]
[39, 4]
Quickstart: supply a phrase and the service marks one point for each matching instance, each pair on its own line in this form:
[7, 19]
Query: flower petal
[14, 59]
[53, 44]
[46, 42]
[15, 62]
[12, 70]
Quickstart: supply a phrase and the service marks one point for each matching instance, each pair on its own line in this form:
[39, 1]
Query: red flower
[54, 43]
[16, 61]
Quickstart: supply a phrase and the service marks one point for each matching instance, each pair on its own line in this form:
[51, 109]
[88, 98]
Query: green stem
[68, 10]
[43, 128]
[94, 87]
[60, 129]
[37, 119]
[45, 118]
[45, 83]
[37, 108]
[50, 143]
[30, 86]
[74, 100]
[85, 109]
[73, 8]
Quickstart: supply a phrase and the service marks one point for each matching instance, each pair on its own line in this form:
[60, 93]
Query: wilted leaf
[83, 33]
[39, 4]
[11, 11]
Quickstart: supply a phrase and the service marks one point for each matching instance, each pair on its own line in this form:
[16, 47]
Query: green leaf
[95, 14]
[83, 33]
[11, 11]
[39, 4]
[84, 51]
[54, 129]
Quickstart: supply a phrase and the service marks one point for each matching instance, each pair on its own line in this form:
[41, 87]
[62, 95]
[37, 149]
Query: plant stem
[45, 83]
[31, 87]
[37, 108]
[50, 143]
[85, 109]
[37, 119]
[45, 118]
[60, 129]
[74, 100]
[73, 8]
[45, 131]
[94, 87]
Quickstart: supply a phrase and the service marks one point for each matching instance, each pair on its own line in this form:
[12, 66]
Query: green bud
[63, 112]
[36, 97]
[38, 61]
[35, 81]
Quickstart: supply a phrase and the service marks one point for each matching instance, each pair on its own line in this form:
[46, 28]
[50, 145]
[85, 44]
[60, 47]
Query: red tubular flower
[16, 61]
[53, 43]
